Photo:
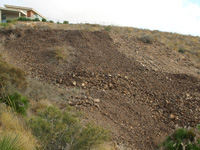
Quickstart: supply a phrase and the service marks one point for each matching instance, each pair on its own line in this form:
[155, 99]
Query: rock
[110, 85]
[109, 75]
[70, 103]
[74, 83]
[96, 105]
[126, 77]
[187, 95]
[96, 100]
[172, 116]
[89, 98]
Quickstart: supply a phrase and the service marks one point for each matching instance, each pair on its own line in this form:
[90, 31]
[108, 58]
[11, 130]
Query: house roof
[13, 10]
[23, 8]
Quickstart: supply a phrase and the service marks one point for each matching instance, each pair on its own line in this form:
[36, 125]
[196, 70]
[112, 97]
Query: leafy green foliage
[44, 20]
[65, 22]
[51, 21]
[17, 102]
[59, 130]
[181, 50]
[23, 19]
[27, 19]
[183, 139]
[9, 142]
[4, 24]
[36, 19]
[108, 28]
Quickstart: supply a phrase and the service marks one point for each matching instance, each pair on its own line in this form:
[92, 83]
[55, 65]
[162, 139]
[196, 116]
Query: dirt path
[134, 89]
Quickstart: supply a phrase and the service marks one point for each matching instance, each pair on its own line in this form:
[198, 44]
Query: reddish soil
[145, 90]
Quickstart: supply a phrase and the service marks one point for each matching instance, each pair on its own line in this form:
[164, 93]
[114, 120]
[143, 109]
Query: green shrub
[9, 142]
[183, 139]
[146, 39]
[59, 130]
[23, 19]
[8, 21]
[27, 19]
[10, 76]
[36, 19]
[65, 22]
[58, 22]
[44, 20]
[4, 24]
[51, 21]
[17, 102]
[108, 28]
[91, 135]
[181, 50]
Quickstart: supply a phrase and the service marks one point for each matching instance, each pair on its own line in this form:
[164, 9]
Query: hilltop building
[9, 12]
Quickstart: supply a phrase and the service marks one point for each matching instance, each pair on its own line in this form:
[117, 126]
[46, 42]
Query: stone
[96, 100]
[74, 83]
[96, 105]
[172, 116]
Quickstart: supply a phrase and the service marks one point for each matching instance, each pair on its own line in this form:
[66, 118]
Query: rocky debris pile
[138, 103]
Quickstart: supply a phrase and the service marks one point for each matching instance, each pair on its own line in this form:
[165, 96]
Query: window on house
[4, 17]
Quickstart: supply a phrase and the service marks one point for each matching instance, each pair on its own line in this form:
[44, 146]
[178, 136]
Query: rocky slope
[137, 90]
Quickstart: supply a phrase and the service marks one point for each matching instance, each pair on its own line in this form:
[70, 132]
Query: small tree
[65, 22]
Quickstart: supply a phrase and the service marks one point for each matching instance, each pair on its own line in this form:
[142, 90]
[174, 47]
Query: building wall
[30, 14]
[0, 17]
[11, 16]
[25, 11]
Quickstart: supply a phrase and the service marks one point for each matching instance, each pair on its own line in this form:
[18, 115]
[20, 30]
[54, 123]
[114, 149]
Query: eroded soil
[139, 91]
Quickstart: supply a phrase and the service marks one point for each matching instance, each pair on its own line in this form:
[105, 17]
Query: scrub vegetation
[30, 124]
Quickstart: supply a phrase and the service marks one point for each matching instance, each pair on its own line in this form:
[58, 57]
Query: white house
[9, 12]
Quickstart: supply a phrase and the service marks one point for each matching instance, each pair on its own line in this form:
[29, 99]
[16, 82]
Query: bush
[51, 21]
[58, 22]
[4, 24]
[146, 39]
[62, 130]
[108, 28]
[36, 19]
[181, 50]
[17, 102]
[9, 142]
[10, 76]
[65, 22]
[23, 19]
[8, 21]
[183, 139]
[44, 20]
[27, 19]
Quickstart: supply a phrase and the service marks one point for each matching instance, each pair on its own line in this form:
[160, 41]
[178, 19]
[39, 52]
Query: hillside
[138, 90]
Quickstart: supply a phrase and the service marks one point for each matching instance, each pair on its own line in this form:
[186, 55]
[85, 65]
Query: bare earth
[139, 91]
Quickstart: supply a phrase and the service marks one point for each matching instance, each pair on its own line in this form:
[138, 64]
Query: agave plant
[10, 142]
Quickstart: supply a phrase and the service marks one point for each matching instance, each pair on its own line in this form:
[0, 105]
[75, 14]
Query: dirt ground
[138, 91]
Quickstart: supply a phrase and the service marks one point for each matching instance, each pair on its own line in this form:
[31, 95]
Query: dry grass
[105, 146]
[190, 44]
[63, 53]
[10, 124]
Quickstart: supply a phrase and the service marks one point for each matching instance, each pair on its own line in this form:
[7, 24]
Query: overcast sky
[181, 16]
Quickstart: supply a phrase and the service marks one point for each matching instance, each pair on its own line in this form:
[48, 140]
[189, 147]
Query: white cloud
[167, 15]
